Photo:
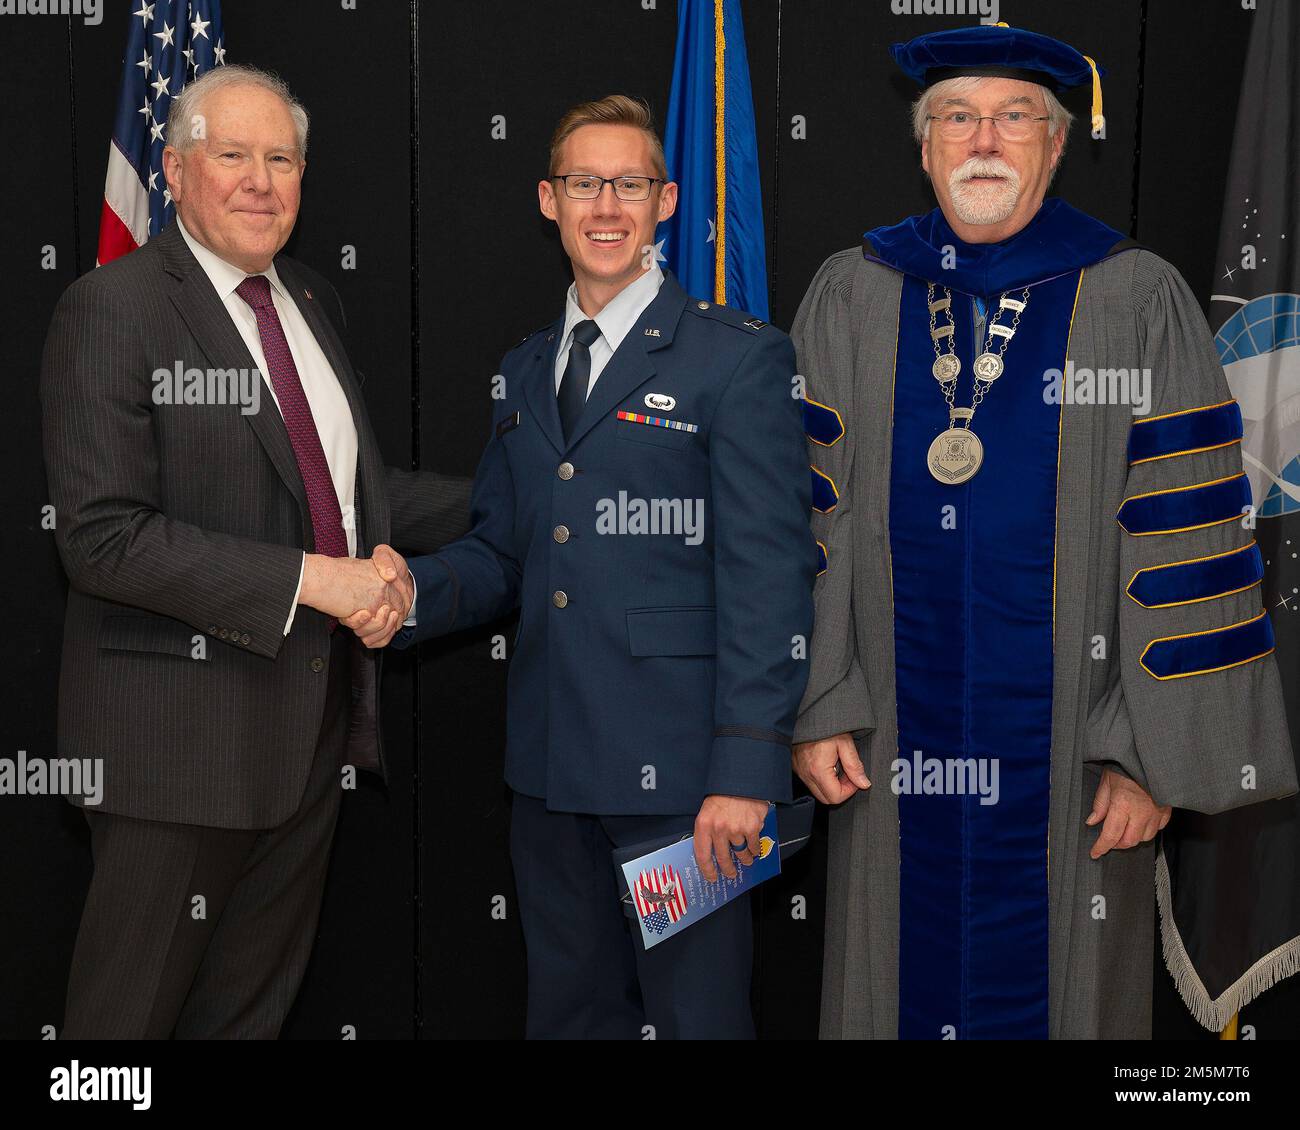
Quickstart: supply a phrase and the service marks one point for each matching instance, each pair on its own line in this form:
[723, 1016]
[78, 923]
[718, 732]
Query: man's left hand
[726, 824]
[1131, 816]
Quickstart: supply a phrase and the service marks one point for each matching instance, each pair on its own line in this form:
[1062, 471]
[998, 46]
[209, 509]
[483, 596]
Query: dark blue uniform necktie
[577, 373]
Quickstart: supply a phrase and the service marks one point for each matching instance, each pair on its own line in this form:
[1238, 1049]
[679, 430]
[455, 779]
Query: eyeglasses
[587, 186]
[1011, 125]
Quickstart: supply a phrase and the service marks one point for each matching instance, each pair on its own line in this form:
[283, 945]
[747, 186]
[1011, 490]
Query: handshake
[372, 596]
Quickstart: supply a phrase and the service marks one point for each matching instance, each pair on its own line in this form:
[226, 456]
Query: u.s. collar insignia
[652, 333]
[661, 401]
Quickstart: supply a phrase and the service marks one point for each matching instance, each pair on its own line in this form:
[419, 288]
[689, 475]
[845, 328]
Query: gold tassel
[1098, 118]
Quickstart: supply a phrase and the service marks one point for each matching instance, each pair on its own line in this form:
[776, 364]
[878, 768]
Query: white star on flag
[169, 43]
[713, 232]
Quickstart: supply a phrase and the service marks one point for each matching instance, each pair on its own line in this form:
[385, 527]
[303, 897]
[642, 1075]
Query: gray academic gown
[1184, 739]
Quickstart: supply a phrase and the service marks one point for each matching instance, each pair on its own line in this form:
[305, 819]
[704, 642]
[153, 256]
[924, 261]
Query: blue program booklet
[669, 893]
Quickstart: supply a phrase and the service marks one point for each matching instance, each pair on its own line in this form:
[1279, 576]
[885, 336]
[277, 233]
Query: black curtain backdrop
[430, 124]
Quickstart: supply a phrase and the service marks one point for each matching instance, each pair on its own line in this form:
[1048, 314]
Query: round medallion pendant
[955, 455]
[988, 366]
[946, 368]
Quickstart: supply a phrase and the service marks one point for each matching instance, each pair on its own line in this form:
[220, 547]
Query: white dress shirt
[615, 320]
[325, 396]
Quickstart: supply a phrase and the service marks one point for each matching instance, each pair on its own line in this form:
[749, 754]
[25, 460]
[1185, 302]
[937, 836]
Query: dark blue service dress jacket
[661, 559]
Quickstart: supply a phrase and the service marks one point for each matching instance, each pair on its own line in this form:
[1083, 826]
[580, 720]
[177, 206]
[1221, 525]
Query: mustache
[983, 167]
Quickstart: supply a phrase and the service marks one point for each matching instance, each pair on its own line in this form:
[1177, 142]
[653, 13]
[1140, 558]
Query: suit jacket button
[224, 633]
[559, 598]
[561, 534]
[565, 471]
[245, 639]
[318, 664]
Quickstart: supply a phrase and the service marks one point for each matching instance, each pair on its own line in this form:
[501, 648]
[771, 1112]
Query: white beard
[980, 204]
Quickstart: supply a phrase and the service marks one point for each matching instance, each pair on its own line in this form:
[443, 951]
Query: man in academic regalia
[1038, 625]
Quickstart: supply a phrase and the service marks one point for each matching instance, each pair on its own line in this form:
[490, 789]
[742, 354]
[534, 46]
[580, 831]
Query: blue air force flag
[714, 242]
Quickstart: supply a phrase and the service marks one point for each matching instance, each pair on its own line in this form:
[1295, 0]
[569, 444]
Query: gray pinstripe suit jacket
[181, 528]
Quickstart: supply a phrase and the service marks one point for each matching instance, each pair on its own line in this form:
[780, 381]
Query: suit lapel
[209, 321]
[632, 364]
[539, 386]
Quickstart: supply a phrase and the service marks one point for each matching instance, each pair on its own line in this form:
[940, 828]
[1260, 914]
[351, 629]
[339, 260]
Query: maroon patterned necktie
[323, 500]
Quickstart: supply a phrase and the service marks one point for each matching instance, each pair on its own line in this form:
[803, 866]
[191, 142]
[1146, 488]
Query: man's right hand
[342, 587]
[815, 764]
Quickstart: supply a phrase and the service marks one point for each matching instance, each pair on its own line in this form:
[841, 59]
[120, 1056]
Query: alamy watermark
[78, 1083]
[678, 517]
[59, 776]
[179, 385]
[987, 10]
[948, 776]
[91, 10]
[1098, 386]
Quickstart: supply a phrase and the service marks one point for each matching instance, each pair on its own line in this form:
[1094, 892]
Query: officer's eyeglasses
[1011, 125]
[587, 186]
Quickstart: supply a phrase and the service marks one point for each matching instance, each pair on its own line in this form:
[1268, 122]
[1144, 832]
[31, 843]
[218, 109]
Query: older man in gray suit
[218, 488]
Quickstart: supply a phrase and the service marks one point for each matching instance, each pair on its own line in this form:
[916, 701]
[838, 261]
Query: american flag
[659, 897]
[170, 43]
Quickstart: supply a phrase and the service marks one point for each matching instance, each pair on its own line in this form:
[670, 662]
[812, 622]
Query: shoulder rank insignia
[506, 423]
[755, 323]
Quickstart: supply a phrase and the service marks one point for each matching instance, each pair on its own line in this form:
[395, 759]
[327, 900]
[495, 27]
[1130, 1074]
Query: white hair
[1058, 117]
[185, 106]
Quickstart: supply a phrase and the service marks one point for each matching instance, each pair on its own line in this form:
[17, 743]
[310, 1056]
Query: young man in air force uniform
[644, 500]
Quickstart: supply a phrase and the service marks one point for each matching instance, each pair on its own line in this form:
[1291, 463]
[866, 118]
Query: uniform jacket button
[559, 598]
[318, 664]
[561, 534]
[565, 470]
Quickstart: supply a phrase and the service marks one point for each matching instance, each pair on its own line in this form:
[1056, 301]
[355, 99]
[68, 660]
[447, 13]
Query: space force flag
[170, 42]
[714, 242]
[1228, 897]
